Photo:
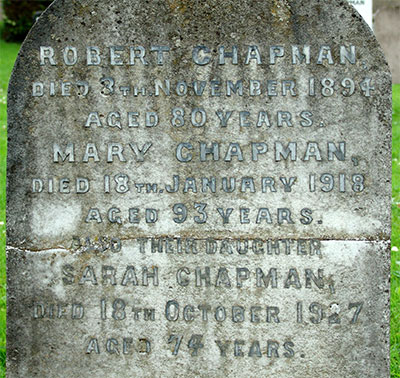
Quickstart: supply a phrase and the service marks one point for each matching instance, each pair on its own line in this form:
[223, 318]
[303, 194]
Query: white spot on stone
[335, 308]
[51, 220]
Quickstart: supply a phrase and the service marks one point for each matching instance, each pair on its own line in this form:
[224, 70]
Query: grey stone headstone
[199, 188]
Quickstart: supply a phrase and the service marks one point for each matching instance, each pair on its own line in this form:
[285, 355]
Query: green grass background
[8, 53]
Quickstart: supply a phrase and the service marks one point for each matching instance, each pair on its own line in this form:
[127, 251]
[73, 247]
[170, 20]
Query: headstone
[199, 189]
[364, 7]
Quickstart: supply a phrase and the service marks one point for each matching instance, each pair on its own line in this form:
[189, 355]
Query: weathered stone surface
[314, 331]
[169, 153]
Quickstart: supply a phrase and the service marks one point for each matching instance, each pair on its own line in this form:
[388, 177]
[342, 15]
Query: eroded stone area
[217, 305]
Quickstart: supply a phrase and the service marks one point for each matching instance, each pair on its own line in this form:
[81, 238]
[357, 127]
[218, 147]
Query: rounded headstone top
[199, 94]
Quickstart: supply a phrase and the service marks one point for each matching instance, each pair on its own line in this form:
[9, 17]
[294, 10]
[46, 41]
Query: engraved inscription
[198, 189]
